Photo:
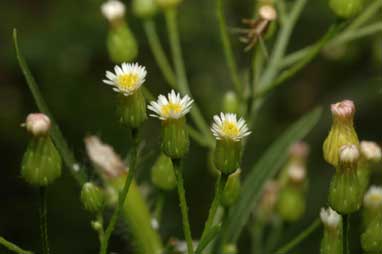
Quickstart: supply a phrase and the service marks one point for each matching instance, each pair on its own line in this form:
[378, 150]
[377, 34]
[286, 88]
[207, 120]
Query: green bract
[227, 155]
[121, 44]
[232, 189]
[92, 197]
[132, 109]
[162, 173]
[175, 140]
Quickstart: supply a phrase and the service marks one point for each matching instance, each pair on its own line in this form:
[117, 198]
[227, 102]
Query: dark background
[64, 43]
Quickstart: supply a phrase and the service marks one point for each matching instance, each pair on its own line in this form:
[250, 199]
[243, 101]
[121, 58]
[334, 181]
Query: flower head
[373, 197]
[113, 9]
[171, 107]
[268, 12]
[226, 126]
[330, 218]
[370, 151]
[296, 173]
[343, 110]
[127, 78]
[37, 124]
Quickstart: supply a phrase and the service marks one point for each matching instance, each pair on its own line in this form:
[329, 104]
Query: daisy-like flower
[226, 126]
[171, 107]
[113, 9]
[127, 78]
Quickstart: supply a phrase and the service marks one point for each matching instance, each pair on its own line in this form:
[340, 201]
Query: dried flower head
[37, 124]
[104, 157]
[127, 78]
[330, 218]
[171, 107]
[343, 110]
[226, 126]
[370, 151]
[373, 197]
[113, 9]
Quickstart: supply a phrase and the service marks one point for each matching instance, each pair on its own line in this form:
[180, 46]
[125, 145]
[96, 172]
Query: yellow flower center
[171, 108]
[230, 129]
[376, 198]
[127, 81]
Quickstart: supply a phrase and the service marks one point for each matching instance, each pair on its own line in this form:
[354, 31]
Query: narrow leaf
[56, 134]
[263, 170]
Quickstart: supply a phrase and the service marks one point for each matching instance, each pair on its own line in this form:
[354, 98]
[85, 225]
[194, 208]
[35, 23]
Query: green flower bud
[162, 173]
[342, 131]
[227, 156]
[372, 204]
[132, 109]
[332, 241]
[41, 164]
[92, 197]
[346, 8]
[232, 189]
[291, 204]
[345, 193]
[167, 4]
[144, 8]
[231, 103]
[175, 140]
[371, 239]
[121, 44]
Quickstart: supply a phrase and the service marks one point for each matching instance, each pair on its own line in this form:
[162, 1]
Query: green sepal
[345, 192]
[92, 198]
[132, 109]
[346, 8]
[231, 190]
[291, 204]
[162, 173]
[332, 240]
[175, 139]
[121, 44]
[227, 155]
[371, 239]
[41, 164]
[144, 8]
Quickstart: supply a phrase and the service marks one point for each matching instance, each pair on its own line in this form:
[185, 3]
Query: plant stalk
[13, 247]
[44, 221]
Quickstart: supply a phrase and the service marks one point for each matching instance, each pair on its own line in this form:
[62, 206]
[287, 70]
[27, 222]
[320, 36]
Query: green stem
[257, 237]
[158, 52]
[346, 232]
[299, 238]
[13, 247]
[121, 198]
[172, 27]
[274, 235]
[220, 184]
[44, 221]
[227, 48]
[183, 205]
[159, 206]
[100, 231]
[365, 15]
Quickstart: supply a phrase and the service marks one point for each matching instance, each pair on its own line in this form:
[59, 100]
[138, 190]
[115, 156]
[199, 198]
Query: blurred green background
[64, 43]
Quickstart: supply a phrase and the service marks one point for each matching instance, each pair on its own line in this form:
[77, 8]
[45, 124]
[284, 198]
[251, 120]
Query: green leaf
[263, 170]
[210, 235]
[56, 134]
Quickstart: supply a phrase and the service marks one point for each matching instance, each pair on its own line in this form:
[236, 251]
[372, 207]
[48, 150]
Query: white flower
[126, 78]
[113, 9]
[170, 107]
[349, 153]
[228, 127]
[370, 150]
[330, 218]
[37, 124]
[373, 197]
[104, 157]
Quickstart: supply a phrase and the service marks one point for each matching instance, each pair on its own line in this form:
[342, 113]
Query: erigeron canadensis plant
[224, 137]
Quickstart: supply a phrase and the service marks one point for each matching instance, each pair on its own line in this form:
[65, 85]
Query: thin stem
[299, 238]
[13, 247]
[257, 231]
[227, 48]
[346, 231]
[365, 15]
[159, 206]
[274, 235]
[172, 27]
[44, 221]
[220, 184]
[122, 197]
[158, 52]
[183, 205]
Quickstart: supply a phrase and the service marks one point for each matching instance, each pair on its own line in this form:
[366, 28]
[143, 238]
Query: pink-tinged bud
[349, 157]
[342, 131]
[370, 151]
[104, 158]
[268, 12]
[37, 124]
[299, 150]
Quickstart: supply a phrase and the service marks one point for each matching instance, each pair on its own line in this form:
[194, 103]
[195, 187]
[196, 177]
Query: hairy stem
[183, 205]
[44, 221]
[121, 198]
[227, 48]
[13, 247]
[158, 52]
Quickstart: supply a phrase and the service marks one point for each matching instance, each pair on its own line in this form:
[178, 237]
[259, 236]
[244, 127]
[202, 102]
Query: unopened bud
[372, 203]
[348, 157]
[296, 174]
[291, 204]
[370, 151]
[37, 124]
[92, 198]
[299, 151]
[121, 44]
[144, 8]
[342, 131]
[346, 8]
[162, 173]
[232, 189]
[231, 103]
[113, 10]
[332, 241]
